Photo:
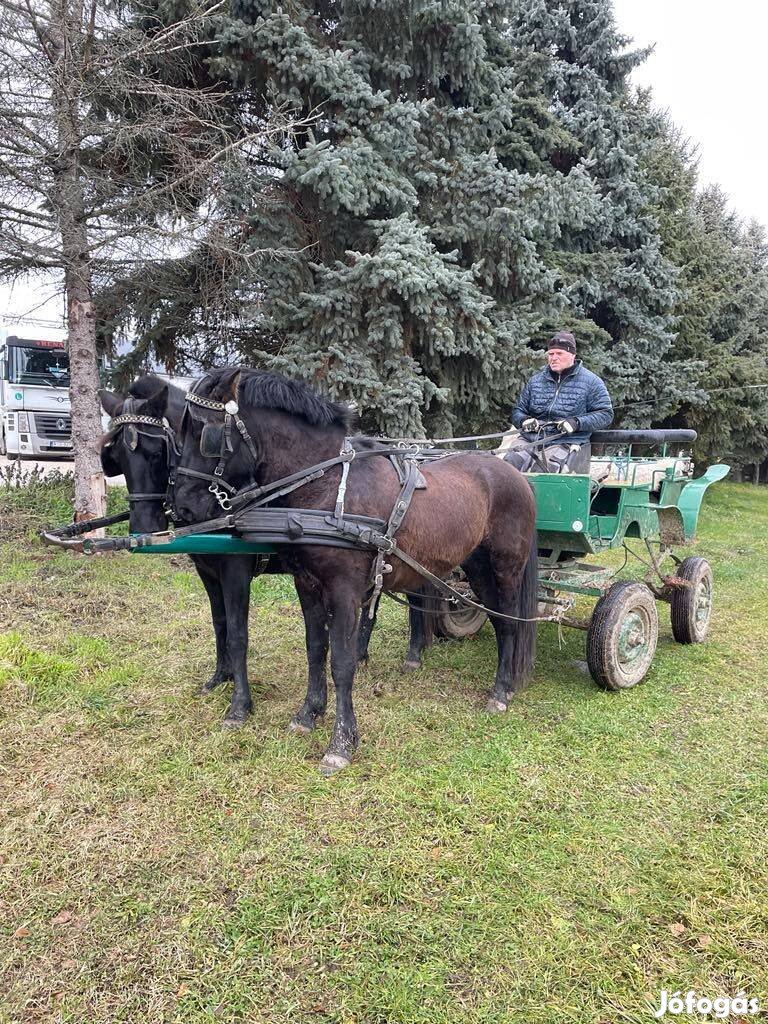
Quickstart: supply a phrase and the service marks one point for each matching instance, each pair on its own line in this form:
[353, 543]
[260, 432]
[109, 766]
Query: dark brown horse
[476, 511]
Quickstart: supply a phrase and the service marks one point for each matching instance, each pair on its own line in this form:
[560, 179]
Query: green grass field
[562, 863]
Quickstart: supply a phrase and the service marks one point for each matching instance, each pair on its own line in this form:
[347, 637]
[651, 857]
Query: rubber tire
[685, 627]
[605, 629]
[459, 622]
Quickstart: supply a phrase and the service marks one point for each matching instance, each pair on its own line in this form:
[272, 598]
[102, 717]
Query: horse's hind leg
[419, 634]
[367, 622]
[316, 626]
[483, 581]
[209, 575]
[517, 588]
[236, 579]
[421, 605]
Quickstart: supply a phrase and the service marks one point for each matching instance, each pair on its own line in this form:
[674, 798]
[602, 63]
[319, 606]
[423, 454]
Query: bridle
[134, 421]
[220, 488]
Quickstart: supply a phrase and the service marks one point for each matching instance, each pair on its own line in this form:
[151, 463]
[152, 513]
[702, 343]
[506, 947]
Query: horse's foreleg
[236, 586]
[345, 611]
[316, 626]
[209, 577]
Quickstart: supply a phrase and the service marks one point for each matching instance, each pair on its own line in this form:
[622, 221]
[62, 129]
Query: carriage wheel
[459, 621]
[692, 605]
[622, 636]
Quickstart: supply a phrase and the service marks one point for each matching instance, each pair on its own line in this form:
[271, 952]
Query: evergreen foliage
[466, 177]
[722, 310]
[621, 288]
[423, 207]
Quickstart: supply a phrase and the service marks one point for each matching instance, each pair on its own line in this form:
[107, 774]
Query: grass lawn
[562, 863]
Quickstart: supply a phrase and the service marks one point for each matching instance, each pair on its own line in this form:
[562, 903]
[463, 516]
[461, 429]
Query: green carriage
[653, 500]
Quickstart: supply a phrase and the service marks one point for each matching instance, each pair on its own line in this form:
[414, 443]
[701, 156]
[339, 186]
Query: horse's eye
[210, 440]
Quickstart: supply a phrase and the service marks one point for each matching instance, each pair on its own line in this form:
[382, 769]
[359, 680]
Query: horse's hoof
[495, 707]
[233, 723]
[299, 727]
[410, 666]
[207, 688]
[333, 763]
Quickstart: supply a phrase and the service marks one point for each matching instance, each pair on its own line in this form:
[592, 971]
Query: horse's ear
[111, 403]
[157, 402]
[227, 384]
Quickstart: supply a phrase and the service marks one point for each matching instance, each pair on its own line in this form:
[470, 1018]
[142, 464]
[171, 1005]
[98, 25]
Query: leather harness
[245, 514]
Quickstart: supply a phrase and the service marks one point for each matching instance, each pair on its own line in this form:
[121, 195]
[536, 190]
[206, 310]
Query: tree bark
[68, 35]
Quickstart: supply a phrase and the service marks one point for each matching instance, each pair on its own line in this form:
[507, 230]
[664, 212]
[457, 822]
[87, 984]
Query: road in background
[48, 466]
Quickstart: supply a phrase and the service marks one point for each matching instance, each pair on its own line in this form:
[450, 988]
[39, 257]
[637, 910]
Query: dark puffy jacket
[557, 396]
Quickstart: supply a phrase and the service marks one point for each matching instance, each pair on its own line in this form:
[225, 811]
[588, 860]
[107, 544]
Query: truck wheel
[459, 621]
[692, 605]
[622, 636]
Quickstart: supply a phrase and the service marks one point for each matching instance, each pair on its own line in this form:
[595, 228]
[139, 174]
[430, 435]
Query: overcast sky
[708, 70]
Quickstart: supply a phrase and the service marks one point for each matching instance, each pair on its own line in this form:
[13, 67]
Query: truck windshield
[49, 367]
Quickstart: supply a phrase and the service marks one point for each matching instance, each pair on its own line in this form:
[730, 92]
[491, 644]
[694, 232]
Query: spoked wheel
[692, 605]
[459, 621]
[622, 636]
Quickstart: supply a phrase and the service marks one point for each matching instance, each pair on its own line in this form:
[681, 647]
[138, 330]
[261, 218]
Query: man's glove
[567, 426]
[530, 425]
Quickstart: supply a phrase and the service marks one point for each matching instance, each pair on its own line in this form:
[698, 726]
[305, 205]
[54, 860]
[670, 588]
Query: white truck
[35, 417]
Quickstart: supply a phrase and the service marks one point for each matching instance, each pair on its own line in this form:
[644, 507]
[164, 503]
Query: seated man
[564, 399]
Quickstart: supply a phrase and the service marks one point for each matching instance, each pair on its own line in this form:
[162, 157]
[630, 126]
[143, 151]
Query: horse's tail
[527, 604]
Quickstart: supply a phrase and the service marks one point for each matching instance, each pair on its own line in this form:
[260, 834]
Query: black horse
[141, 446]
[145, 453]
[477, 512]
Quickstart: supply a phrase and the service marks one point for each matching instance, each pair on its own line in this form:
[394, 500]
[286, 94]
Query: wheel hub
[633, 638]
[703, 603]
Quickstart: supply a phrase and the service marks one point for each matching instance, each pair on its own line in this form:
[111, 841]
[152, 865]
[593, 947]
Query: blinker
[210, 440]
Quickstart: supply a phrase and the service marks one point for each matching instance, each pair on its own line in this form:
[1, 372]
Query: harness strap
[339, 510]
[255, 492]
[396, 517]
[183, 471]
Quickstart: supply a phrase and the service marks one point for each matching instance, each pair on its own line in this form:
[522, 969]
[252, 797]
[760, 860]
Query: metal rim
[702, 604]
[633, 642]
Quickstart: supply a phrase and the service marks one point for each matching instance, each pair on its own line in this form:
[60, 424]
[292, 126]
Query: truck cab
[35, 413]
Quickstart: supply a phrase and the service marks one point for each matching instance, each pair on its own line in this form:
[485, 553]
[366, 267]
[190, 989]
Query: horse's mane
[263, 390]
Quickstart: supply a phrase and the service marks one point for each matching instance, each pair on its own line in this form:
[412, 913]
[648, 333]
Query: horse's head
[216, 460]
[139, 445]
[246, 426]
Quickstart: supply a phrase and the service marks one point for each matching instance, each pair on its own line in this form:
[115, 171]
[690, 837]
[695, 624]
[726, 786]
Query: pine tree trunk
[68, 34]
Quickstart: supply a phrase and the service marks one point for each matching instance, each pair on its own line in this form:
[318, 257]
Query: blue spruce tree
[424, 206]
